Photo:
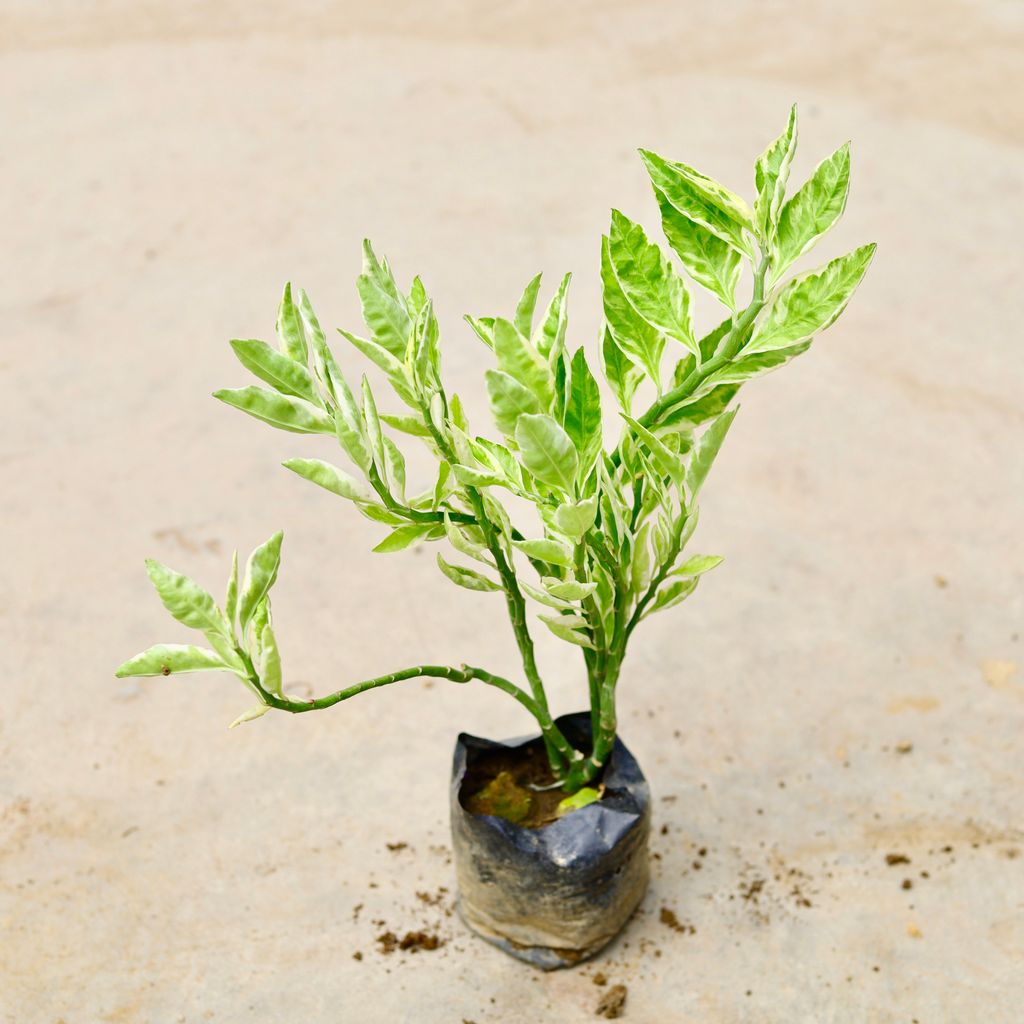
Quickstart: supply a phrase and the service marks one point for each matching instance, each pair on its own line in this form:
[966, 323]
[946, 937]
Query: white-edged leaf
[467, 578]
[290, 332]
[527, 304]
[282, 411]
[270, 662]
[251, 715]
[330, 478]
[187, 602]
[561, 626]
[260, 574]
[547, 451]
[810, 303]
[568, 590]
[544, 597]
[815, 207]
[278, 370]
[172, 659]
[519, 359]
[701, 199]
[649, 282]
[405, 536]
[771, 172]
[704, 451]
[509, 400]
[582, 416]
[697, 565]
[575, 518]
[231, 598]
[546, 550]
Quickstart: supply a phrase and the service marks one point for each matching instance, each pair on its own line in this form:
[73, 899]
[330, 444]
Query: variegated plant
[607, 547]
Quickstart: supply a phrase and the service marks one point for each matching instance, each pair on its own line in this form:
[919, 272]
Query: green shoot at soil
[614, 481]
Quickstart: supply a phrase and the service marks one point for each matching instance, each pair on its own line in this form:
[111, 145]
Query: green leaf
[509, 400]
[280, 371]
[407, 535]
[187, 602]
[817, 205]
[582, 418]
[641, 342]
[168, 659]
[550, 339]
[260, 574]
[622, 374]
[461, 540]
[290, 333]
[384, 308]
[810, 303]
[702, 200]
[546, 550]
[527, 304]
[647, 279]
[483, 328]
[251, 715]
[547, 451]
[563, 629]
[332, 479]
[746, 367]
[396, 469]
[270, 662]
[665, 460]
[712, 263]
[413, 425]
[520, 360]
[575, 519]
[417, 296]
[569, 590]
[231, 600]
[673, 594]
[581, 798]
[469, 476]
[697, 565]
[704, 451]
[466, 577]
[321, 354]
[371, 422]
[770, 176]
[694, 412]
[544, 597]
[282, 411]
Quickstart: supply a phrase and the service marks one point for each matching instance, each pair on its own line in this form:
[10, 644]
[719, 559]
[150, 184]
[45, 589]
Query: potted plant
[550, 832]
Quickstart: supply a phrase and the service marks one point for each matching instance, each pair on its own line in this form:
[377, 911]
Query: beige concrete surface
[848, 686]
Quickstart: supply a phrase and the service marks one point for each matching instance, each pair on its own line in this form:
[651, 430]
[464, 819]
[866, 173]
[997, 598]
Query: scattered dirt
[600, 978]
[907, 883]
[357, 955]
[433, 899]
[510, 784]
[411, 942]
[892, 859]
[668, 918]
[905, 747]
[613, 1003]
[751, 891]
[395, 847]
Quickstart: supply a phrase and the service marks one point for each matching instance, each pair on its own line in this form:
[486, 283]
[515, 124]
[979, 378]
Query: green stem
[462, 674]
[516, 605]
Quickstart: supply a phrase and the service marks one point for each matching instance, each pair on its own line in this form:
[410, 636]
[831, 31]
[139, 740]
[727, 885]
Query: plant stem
[462, 674]
[516, 605]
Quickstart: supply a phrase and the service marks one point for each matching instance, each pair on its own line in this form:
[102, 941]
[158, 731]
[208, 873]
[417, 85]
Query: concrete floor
[847, 687]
